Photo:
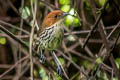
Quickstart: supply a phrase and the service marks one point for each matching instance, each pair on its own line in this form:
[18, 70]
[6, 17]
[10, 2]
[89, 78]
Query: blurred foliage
[101, 2]
[25, 12]
[115, 78]
[65, 8]
[71, 38]
[57, 77]
[70, 19]
[88, 7]
[43, 74]
[87, 64]
[63, 2]
[62, 61]
[99, 60]
[117, 61]
[2, 40]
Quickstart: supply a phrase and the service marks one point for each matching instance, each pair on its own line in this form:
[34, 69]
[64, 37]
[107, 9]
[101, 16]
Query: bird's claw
[59, 70]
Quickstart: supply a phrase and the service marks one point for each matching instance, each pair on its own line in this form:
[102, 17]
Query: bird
[50, 35]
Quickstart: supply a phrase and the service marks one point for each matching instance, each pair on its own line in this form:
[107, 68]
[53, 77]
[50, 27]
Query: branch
[96, 23]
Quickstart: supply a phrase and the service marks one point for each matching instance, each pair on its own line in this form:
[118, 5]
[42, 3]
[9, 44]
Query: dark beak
[65, 14]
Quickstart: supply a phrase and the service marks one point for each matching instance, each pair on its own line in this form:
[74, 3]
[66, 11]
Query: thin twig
[96, 23]
[13, 36]
[60, 65]
[110, 34]
[51, 7]
[34, 10]
[19, 68]
[15, 27]
[73, 64]
[16, 11]
[13, 66]
[113, 64]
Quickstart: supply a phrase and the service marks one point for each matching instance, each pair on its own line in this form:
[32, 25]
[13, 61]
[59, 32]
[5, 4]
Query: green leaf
[99, 60]
[115, 78]
[71, 38]
[76, 22]
[69, 20]
[74, 59]
[117, 61]
[42, 4]
[43, 74]
[36, 73]
[88, 7]
[62, 61]
[72, 12]
[63, 2]
[25, 12]
[87, 64]
[57, 77]
[101, 2]
[2, 40]
[65, 8]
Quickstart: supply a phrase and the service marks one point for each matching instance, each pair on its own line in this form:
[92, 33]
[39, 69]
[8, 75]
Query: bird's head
[54, 17]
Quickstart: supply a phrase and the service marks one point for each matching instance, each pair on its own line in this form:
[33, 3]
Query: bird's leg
[42, 57]
[59, 69]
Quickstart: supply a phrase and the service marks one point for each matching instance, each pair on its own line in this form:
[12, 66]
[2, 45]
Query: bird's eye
[55, 16]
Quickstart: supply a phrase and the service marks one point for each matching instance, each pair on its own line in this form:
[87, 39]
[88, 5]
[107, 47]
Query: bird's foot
[59, 70]
[42, 58]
